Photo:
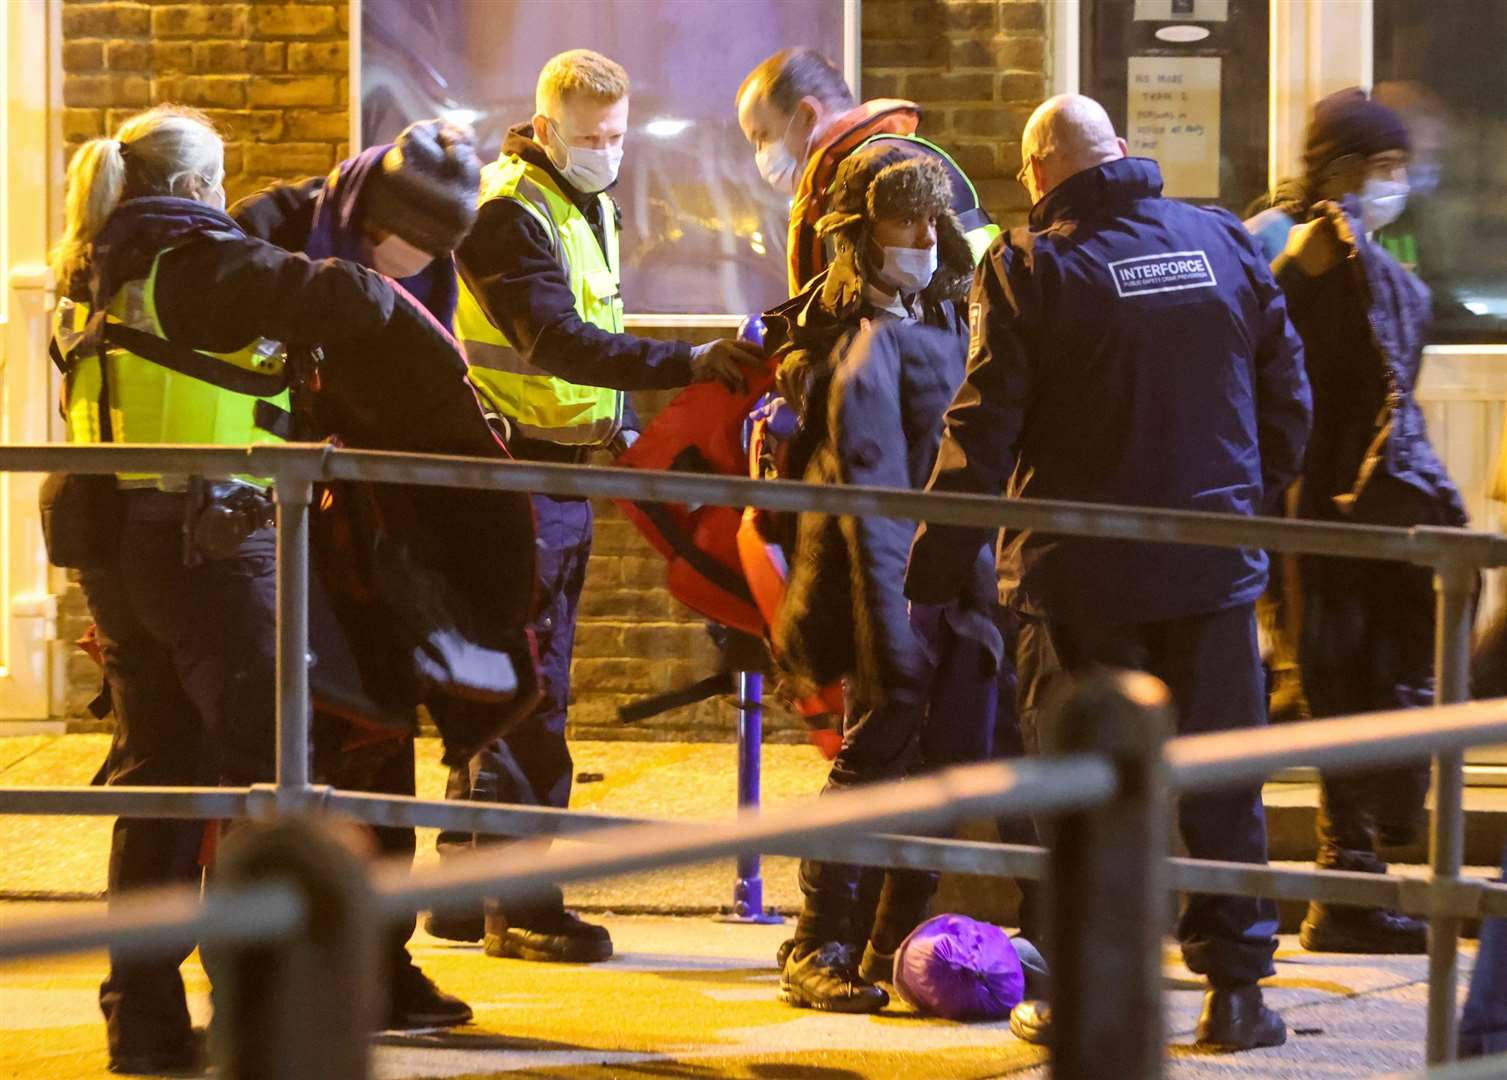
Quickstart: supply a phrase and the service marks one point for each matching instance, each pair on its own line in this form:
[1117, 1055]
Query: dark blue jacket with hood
[1124, 348]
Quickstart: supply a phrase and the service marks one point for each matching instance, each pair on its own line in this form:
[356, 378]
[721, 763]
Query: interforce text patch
[1162, 273]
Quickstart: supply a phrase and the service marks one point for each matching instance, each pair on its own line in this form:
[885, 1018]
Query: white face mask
[1382, 202]
[777, 165]
[397, 258]
[588, 171]
[908, 269]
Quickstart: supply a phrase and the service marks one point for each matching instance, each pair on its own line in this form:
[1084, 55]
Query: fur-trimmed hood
[889, 180]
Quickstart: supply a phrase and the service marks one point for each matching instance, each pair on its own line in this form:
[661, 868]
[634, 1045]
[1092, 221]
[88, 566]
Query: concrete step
[1291, 810]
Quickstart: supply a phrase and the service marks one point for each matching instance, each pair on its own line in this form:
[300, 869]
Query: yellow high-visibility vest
[150, 403]
[536, 403]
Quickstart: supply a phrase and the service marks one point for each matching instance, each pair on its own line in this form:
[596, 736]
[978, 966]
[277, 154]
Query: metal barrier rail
[1455, 556]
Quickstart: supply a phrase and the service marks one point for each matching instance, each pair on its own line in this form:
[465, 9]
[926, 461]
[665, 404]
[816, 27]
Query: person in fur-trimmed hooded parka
[870, 356]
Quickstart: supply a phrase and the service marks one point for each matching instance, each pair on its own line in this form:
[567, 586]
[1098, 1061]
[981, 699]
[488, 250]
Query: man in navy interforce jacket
[1127, 348]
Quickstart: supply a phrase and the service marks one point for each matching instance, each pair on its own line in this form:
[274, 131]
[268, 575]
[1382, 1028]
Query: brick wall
[273, 76]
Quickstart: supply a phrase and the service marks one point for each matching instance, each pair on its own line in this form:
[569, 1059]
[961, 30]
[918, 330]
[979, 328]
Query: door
[27, 207]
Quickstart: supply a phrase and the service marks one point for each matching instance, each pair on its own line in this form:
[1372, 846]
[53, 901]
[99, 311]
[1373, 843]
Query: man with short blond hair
[579, 71]
[541, 316]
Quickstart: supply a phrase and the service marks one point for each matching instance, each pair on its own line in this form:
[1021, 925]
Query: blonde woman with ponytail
[176, 327]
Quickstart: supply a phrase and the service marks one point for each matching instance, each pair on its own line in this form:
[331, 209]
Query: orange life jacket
[805, 254]
[700, 430]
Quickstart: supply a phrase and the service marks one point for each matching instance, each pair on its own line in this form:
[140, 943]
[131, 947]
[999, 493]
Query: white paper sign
[1172, 115]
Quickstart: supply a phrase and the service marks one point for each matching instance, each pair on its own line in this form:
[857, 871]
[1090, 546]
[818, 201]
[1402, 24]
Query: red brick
[1022, 86]
[882, 84]
[248, 56]
[205, 91]
[293, 20]
[289, 159]
[1000, 122]
[105, 20]
[235, 162]
[294, 90]
[172, 56]
[83, 55]
[933, 87]
[929, 51]
[106, 90]
[978, 161]
[1021, 54]
[81, 124]
[967, 52]
[255, 125]
[588, 675]
[971, 15]
[319, 56]
[219, 20]
[129, 55]
[1027, 15]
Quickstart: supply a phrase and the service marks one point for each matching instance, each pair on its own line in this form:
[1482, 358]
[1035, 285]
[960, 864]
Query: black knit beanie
[1348, 122]
[426, 188]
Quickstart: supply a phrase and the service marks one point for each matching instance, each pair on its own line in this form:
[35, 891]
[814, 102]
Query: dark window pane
[702, 232]
[1185, 82]
[1441, 63]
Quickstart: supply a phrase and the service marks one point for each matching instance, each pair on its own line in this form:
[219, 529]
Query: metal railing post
[294, 494]
[303, 1006]
[1108, 886]
[748, 890]
[1454, 587]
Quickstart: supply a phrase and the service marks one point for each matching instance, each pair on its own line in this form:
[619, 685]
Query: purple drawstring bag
[958, 968]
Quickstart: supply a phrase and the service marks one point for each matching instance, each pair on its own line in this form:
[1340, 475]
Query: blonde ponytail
[162, 151]
[96, 178]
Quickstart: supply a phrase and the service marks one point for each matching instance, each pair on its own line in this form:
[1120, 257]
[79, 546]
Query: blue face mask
[908, 270]
[1382, 202]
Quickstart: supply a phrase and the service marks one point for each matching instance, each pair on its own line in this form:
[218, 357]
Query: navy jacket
[1125, 348]
[1364, 324]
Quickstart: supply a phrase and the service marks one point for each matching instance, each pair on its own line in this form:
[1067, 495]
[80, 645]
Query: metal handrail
[1455, 555]
[315, 462]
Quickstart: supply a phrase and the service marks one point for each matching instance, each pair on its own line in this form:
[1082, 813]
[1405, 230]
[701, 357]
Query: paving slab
[695, 998]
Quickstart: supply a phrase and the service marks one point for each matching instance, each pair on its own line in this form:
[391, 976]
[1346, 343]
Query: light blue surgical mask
[586, 169]
[908, 269]
[1382, 202]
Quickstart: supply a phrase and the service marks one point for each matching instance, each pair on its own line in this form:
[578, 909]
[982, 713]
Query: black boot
[826, 977]
[453, 927]
[1344, 929]
[1236, 1018]
[558, 937]
[416, 1003]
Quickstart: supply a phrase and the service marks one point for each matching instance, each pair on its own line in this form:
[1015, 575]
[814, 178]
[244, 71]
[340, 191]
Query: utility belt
[83, 517]
[526, 449]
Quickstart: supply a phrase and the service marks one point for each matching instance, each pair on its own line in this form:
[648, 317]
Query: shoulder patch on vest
[975, 329]
[1170, 272]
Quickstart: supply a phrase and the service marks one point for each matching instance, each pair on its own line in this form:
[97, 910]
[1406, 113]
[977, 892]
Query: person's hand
[724, 361]
[1315, 246]
[778, 415]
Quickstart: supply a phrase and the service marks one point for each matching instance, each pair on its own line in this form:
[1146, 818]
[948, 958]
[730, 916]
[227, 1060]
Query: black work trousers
[1212, 666]
[189, 655]
[1367, 645]
[531, 765]
[948, 717]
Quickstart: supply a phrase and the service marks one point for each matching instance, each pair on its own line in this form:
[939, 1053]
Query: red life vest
[806, 256]
[700, 431]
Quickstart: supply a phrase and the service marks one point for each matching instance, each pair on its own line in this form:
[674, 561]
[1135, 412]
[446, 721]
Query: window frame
[852, 71]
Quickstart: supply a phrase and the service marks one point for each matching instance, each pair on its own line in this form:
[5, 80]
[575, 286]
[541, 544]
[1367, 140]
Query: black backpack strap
[194, 364]
[273, 420]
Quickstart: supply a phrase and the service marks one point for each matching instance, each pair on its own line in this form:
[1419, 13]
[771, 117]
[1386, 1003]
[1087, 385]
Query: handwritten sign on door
[1173, 116]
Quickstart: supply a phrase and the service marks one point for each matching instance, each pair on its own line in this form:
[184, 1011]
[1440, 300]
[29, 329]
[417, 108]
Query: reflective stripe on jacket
[540, 405]
[149, 402]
